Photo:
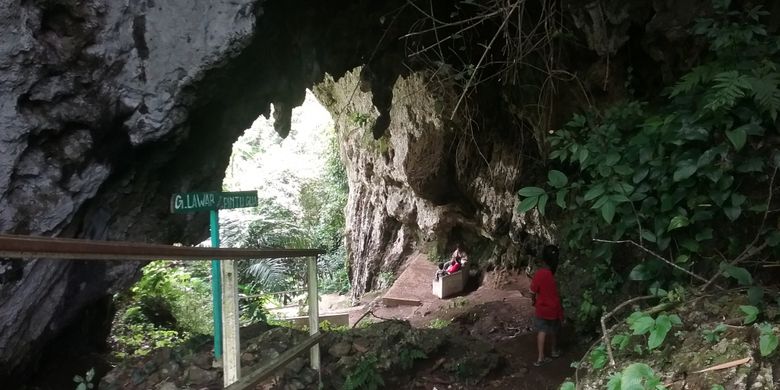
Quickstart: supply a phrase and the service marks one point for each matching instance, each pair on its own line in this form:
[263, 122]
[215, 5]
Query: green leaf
[542, 203]
[648, 235]
[704, 234]
[738, 137]
[594, 192]
[740, 274]
[677, 222]
[640, 175]
[90, 374]
[638, 376]
[583, 156]
[690, 244]
[598, 358]
[557, 179]
[611, 159]
[643, 325]
[527, 204]
[732, 212]
[560, 198]
[684, 170]
[78, 378]
[767, 343]
[640, 272]
[751, 313]
[717, 387]
[531, 191]
[620, 341]
[568, 386]
[658, 334]
[755, 295]
[608, 211]
[614, 382]
[773, 238]
[81, 386]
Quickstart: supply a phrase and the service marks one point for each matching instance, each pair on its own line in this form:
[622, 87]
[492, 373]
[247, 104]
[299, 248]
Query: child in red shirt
[545, 298]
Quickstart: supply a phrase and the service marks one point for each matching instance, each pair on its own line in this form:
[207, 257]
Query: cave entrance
[302, 191]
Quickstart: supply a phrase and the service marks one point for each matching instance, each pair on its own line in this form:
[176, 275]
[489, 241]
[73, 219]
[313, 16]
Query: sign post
[212, 202]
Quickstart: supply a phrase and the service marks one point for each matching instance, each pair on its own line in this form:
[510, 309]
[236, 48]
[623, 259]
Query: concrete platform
[413, 286]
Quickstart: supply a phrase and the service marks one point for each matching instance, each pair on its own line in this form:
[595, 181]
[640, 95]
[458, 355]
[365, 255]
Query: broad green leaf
[690, 244]
[623, 170]
[78, 378]
[560, 198]
[557, 179]
[638, 376]
[620, 341]
[755, 295]
[751, 313]
[643, 325]
[678, 222]
[738, 137]
[773, 238]
[619, 198]
[612, 159]
[90, 374]
[732, 212]
[640, 272]
[684, 171]
[81, 386]
[767, 343]
[737, 199]
[527, 204]
[675, 319]
[599, 203]
[608, 211]
[657, 336]
[531, 191]
[704, 234]
[583, 156]
[648, 235]
[717, 387]
[740, 274]
[640, 175]
[594, 192]
[598, 358]
[614, 382]
[682, 259]
[568, 386]
[542, 203]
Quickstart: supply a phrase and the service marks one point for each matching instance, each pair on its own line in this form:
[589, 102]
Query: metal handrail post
[314, 312]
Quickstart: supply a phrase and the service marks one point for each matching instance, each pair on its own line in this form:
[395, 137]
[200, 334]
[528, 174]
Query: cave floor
[497, 311]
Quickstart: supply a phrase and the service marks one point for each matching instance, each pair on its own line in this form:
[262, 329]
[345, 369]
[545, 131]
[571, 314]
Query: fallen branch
[724, 366]
[656, 255]
[605, 332]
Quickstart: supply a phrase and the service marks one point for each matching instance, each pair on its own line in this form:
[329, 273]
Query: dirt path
[497, 311]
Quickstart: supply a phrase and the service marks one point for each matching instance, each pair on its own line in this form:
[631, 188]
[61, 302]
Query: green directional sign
[237, 200]
[191, 202]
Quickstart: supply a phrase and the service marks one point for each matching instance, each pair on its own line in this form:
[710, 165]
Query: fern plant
[681, 177]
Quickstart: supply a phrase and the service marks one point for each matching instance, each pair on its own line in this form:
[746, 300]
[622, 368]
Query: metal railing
[34, 247]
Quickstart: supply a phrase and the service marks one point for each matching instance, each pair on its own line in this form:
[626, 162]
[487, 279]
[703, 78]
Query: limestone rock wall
[426, 180]
[87, 90]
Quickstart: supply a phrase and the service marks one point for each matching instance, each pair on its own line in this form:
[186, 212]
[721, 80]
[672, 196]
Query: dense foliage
[170, 303]
[686, 181]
